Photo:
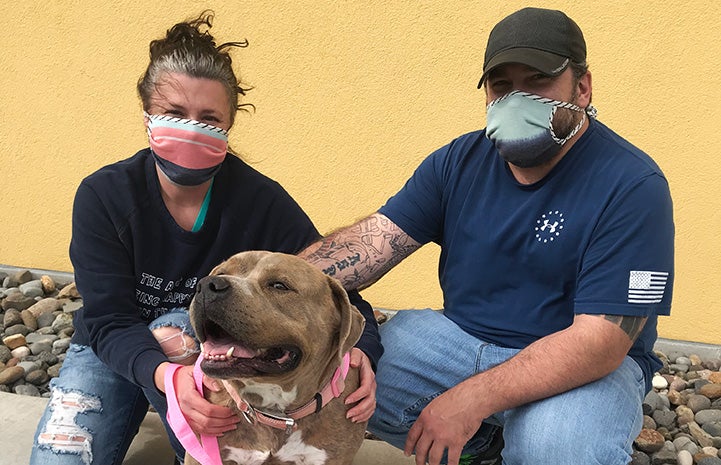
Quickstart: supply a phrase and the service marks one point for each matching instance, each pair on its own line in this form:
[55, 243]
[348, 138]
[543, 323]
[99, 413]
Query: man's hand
[445, 423]
[365, 395]
[202, 416]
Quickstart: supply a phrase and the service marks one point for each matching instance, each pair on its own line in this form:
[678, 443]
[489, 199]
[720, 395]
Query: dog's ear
[351, 320]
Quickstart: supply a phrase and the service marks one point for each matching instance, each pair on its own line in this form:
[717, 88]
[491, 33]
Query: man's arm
[360, 254]
[591, 348]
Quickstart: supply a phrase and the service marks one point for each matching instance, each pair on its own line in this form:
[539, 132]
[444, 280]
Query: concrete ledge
[673, 347]
[19, 416]
[60, 277]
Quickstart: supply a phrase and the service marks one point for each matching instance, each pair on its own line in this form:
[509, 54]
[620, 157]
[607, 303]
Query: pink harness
[206, 449]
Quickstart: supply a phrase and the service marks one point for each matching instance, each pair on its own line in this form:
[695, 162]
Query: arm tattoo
[631, 325]
[360, 254]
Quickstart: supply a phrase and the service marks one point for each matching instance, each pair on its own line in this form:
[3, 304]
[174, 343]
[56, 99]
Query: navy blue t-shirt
[133, 263]
[595, 236]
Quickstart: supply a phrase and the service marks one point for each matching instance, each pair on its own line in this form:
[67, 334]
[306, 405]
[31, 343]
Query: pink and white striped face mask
[187, 151]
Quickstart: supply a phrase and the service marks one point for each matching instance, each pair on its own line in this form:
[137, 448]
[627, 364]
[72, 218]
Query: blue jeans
[98, 410]
[426, 354]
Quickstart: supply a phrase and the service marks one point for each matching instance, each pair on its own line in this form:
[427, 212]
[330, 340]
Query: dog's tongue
[221, 348]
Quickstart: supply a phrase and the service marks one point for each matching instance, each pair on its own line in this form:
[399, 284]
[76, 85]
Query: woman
[145, 229]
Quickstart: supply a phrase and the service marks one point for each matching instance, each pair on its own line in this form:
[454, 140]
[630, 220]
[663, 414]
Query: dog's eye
[279, 286]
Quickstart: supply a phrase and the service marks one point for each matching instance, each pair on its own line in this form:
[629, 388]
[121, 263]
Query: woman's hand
[202, 416]
[365, 395]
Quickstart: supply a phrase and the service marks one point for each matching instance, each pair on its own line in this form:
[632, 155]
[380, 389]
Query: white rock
[659, 382]
[21, 352]
[684, 457]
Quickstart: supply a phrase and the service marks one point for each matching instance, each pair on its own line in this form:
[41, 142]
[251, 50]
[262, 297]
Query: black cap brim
[546, 62]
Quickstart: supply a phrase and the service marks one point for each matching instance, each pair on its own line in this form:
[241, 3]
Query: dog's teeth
[230, 352]
[202, 349]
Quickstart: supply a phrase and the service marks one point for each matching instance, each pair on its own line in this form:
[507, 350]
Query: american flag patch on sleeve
[646, 287]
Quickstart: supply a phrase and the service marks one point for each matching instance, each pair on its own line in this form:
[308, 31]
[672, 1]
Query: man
[557, 257]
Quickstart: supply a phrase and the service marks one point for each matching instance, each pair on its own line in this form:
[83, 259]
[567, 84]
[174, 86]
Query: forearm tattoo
[359, 255]
[631, 325]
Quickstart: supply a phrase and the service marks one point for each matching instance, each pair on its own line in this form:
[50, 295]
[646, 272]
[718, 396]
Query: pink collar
[206, 449]
[330, 391]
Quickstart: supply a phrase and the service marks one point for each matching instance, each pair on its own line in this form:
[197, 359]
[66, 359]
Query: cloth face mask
[520, 125]
[188, 152]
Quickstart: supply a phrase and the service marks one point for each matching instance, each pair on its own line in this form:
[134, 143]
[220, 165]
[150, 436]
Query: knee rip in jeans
[177, 345]
[61, 433]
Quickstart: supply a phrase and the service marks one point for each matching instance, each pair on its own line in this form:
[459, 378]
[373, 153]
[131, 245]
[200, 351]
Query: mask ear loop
[571, 134]
[592, 111]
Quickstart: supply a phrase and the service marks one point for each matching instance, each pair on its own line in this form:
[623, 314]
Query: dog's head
[272, 318]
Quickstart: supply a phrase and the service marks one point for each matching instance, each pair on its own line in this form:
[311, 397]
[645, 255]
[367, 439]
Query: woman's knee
[178, 346]
[176, 337]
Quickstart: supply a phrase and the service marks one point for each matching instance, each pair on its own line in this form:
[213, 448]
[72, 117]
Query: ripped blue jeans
[93, 413]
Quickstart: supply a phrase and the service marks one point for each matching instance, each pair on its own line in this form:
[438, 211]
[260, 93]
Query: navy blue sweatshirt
[133, 263]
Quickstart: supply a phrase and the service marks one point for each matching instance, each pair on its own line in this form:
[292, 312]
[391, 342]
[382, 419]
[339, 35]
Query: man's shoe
[490, 456]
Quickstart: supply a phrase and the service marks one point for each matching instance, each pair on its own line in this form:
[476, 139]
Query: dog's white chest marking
[245, 457]
[273, 395]
[300, 453]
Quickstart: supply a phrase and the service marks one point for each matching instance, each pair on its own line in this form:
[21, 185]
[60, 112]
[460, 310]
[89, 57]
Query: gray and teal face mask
[520, 125]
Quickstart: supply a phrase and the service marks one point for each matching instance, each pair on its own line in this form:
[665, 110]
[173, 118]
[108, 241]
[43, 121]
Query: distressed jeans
[97, 411]
[426, 354]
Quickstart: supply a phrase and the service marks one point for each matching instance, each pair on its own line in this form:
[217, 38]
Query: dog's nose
[213, 284]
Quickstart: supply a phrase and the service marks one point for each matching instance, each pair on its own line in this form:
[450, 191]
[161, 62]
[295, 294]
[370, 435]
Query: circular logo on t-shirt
[549, 226]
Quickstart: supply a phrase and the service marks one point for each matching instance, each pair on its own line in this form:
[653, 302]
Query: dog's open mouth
[225, 357]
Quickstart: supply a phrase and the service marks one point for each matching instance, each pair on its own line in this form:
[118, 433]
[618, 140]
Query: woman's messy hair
[190, 49]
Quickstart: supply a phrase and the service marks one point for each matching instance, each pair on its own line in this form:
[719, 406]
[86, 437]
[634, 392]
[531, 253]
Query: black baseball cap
[546, 40]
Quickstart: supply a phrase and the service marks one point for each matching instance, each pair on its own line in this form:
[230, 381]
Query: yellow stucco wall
[350, 97]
